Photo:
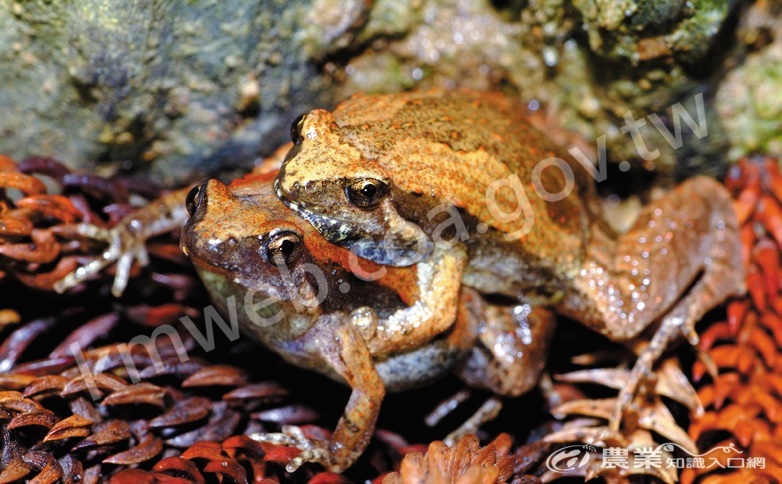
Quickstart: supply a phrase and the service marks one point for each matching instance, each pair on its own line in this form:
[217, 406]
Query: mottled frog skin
[310, 302]
[399, 178]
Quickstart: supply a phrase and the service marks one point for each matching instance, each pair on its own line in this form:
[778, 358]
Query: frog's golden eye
[192, 199]
[283, 248]
[366, 193]
[296, 128]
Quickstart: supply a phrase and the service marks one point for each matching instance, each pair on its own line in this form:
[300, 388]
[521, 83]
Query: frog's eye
[296, 129]
[366, 193]
[283, 248]
[192, 199]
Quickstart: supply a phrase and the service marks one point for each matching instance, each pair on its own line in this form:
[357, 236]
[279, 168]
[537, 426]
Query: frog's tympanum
[319, 307]
[404, 178]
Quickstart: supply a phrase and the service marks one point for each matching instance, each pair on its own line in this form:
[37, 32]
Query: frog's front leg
[339, 346]
[126, 241]
[680, 259]
[432, 313]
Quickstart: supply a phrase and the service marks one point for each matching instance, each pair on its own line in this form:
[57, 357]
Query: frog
[401, 178]
[315, 307]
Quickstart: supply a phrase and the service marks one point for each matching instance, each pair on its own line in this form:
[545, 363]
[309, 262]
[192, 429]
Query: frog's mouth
[344, 233]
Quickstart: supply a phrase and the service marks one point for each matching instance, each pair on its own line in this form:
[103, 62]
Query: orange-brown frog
[319, 308]
[409, 177]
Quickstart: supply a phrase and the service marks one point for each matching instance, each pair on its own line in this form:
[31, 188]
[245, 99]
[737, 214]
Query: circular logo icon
[568, 459]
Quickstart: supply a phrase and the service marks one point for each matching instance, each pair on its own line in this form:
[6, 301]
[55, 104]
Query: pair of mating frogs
[370, 254]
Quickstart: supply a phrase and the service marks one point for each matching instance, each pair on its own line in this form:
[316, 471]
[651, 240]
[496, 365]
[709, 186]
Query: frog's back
[454, 145]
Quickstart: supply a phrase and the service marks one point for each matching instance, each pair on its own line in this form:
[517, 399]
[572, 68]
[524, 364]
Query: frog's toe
[292, 436]
[678, 323]
[123, 248]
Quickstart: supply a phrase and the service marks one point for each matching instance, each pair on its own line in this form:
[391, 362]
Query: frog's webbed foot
[123, 248]
[127, 240]
[292, 436]
[711, 289]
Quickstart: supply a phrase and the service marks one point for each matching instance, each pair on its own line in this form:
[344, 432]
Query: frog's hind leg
[721, 276]
[680, 259]
[711, 289]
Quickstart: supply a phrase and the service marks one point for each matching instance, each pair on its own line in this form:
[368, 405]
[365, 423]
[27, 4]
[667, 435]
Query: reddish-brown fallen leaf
[154, 316]
[218, 429]
[106, 433]
[755, 287]
[204, 450]
[180, 467]
[84, 407]
[27, 184]
[137, 393]
[766, 255]
[20, 405]
[101, 381]
[72, 469]
[327, 477]
[279, 453]
[768, 212]
[43, 165]
[773, 323]
[247, 451]
[41, 418]
[227, 468]
[86, 334]
[50, 471]
[737, 310]
[174, 367]
[244, 444]
[100, 186]
[10, 395]
[45, 280]
[746, 202]
[148, 448]
[13, 381]
[133, 476]
[45, 384]
[184, 411]
[7, 164]
[223, 375]
[257, 391]
[14, 470]
[20, 339]
[15, 226]
[42, 250]
[92, 475]
[55, 206]
[73, 426]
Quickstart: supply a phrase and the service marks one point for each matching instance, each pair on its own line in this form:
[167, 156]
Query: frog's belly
[418, 367]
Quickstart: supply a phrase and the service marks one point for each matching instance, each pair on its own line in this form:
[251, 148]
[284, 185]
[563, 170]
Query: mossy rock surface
[184, 89]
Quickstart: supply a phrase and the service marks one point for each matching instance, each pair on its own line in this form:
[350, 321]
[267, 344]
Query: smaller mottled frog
[317, 307]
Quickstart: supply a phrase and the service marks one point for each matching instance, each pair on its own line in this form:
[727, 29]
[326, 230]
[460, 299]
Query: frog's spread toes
[123, 248]
[292, 436]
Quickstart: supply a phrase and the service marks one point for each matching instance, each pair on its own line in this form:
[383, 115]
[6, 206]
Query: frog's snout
[197, 204]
